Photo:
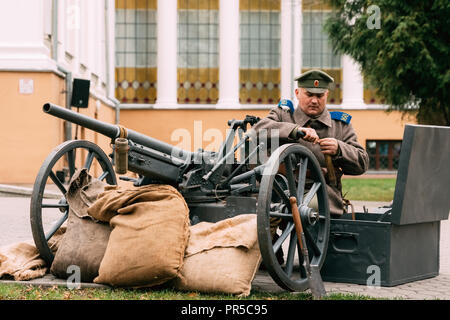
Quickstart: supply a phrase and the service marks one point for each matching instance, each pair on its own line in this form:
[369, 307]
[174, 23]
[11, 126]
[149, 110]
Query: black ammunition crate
[401, 242]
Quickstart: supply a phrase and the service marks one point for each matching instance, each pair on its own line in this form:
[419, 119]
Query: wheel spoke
[89, 159]
[103, 176]
[290, 176]
[277, 214]
[57, 182]
[301, 179]
[71, 160]
[315, 187]
[282, 238]
[56, 226]
[279, 190]
[55, 205]
[300, 263]
[291, 253]
[312, 243]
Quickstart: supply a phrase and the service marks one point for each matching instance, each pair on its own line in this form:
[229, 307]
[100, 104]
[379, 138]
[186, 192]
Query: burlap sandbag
[149, 236]
[21, 261]
[85, 240]
[221, 257]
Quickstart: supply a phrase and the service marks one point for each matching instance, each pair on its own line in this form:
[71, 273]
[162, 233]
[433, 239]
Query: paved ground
[15, 227]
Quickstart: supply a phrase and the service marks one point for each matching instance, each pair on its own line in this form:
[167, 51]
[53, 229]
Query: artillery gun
[215, 185]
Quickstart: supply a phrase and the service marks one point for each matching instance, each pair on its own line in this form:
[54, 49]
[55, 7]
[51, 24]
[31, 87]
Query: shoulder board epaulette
[286, 104]
[341, 116]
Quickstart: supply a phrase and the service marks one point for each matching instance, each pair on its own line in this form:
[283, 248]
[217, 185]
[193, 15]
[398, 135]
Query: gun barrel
[113, 131]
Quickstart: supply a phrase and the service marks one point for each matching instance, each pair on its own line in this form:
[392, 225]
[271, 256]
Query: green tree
[403, 50]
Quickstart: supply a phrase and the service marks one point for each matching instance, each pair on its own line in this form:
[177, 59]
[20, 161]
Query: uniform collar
[301, 118]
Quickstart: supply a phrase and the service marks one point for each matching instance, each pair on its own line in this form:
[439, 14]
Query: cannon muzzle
[113, 131]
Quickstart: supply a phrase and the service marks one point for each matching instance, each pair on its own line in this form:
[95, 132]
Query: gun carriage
[215, 185]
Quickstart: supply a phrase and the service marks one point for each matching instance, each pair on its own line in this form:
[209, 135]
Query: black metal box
[400, 244]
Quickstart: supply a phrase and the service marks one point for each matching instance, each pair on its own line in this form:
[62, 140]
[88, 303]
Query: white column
[62, 32]
[297, 43]
[287, 55]
[229, 54]
[84, 35]
[73, 22]
[22, 41]
[353, 84]
[110, 48]
[167, 54]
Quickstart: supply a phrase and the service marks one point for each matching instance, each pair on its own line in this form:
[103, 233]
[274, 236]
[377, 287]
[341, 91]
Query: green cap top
[315, 81]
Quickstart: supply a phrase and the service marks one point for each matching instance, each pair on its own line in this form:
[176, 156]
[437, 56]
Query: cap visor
[316, 90]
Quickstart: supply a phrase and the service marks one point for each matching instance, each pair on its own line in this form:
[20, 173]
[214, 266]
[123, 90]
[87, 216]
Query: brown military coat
[351, 159]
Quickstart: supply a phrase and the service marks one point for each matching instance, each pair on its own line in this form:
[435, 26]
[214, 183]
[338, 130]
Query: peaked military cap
[315, 81]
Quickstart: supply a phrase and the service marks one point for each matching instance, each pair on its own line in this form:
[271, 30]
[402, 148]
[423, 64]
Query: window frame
[376, 157]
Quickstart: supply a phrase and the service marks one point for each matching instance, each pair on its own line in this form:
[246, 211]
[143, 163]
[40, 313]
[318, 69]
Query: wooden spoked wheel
[292, 170]
[48, 213]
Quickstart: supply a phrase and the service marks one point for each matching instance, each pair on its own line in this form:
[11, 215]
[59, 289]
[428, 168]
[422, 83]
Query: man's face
[312, 104]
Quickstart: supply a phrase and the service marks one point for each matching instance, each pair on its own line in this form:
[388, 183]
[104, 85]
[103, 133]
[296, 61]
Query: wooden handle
[330, 168]
[297, 221]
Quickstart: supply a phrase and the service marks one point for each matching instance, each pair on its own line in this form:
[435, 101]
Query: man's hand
[329, 146]
[310, 134]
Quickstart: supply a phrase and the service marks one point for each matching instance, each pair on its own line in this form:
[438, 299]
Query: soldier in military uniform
[327, 134]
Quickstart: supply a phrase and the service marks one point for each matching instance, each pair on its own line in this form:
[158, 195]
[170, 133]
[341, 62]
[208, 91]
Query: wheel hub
[62, 201]
[308, 215]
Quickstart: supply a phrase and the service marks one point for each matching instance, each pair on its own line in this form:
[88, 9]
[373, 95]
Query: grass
[372, 189]
[22, 292]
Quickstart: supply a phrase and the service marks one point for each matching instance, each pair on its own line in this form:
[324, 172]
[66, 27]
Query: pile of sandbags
[141, 237]
[150, 230]
[134, 237]
[221, 257]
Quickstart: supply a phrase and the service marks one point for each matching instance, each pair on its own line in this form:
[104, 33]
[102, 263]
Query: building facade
[175, 70]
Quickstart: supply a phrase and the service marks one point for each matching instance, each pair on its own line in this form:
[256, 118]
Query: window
[383, 155]
[317, 51]
[136, 51]
[198, 51]
[260, 41]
